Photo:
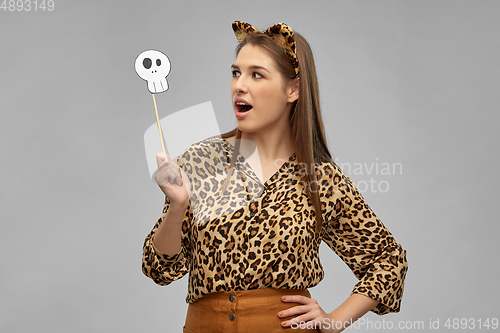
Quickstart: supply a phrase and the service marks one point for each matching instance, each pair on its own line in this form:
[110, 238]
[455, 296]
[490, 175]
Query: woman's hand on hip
[309, 315]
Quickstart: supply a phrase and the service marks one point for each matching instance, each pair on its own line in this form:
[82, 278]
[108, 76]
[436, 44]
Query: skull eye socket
[158, 62]
[147, 63]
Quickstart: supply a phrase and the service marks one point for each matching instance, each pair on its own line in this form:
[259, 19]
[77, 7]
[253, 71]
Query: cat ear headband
[281, 33]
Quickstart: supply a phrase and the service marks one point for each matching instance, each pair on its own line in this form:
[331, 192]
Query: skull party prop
[153, 66]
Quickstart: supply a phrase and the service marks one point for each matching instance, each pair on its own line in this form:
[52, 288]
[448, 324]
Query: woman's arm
[167, 238]
[362, 241]
[352, 309]
[171, 235]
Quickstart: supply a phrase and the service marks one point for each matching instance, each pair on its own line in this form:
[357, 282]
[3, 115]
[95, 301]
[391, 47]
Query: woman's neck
[271, 145]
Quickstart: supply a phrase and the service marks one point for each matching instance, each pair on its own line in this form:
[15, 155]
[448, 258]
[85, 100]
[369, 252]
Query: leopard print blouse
[255, 235]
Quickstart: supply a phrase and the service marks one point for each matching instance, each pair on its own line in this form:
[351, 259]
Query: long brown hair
[308, 133]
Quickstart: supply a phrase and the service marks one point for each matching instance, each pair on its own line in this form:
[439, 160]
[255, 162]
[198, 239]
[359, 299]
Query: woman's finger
[297, 299]
[309, 310]
[161, 157]
[298, 309]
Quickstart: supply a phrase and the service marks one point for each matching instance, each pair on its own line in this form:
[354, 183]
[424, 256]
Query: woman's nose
[240, 86]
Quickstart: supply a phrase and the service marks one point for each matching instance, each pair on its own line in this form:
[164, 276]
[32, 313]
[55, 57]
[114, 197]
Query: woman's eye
[236, 73]
[257, 75]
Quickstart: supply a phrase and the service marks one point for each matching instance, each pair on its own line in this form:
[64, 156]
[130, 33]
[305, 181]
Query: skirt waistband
[242, 311]
[254, 297]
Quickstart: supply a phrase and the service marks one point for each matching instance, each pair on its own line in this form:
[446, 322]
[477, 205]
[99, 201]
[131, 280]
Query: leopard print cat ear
[242, 30]
[281, 33]
[284, 37]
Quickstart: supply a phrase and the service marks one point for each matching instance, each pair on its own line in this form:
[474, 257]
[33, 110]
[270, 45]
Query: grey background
[410, 82]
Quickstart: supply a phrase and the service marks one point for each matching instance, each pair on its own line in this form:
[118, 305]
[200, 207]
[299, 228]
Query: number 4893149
[27, 5]
[471, 323]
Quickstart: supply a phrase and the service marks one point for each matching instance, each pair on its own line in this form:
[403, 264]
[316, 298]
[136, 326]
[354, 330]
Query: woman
[250, 237]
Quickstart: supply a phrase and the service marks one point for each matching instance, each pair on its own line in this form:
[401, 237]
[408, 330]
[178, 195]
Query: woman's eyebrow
[251, 67]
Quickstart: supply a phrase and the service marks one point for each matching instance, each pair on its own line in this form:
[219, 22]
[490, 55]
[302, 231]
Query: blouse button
[231, 298]
[252, 214]
[232, 316]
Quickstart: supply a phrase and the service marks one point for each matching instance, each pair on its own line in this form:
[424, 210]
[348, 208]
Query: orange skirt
[243, 311]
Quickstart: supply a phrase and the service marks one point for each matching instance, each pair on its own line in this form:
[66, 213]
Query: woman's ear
[293, 90]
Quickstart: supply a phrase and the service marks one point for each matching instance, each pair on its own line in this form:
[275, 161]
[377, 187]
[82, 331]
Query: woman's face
[260, 96]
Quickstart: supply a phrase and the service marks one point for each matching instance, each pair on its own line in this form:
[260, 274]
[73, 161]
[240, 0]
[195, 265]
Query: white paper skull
[153, 66]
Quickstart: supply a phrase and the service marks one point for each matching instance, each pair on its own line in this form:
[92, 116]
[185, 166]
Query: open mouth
[243, 107]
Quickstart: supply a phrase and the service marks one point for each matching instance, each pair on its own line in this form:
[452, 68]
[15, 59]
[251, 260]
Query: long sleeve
[361, 240]
[162, 268]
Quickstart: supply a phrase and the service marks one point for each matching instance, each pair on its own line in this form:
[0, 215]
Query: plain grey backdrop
[410, 84]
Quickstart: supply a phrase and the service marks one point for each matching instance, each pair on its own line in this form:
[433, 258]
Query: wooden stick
[161, 135]
[159, 127]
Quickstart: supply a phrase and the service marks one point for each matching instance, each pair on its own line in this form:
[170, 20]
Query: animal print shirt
[255, 235]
